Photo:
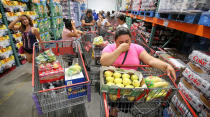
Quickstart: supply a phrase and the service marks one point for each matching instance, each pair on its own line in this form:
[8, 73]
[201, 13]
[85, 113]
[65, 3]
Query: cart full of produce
[58, 82]
[135, 93]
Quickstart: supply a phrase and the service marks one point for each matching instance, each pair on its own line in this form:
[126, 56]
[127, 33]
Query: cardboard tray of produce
[113, 89]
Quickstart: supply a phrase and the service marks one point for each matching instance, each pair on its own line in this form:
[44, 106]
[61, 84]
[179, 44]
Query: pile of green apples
[122, 80]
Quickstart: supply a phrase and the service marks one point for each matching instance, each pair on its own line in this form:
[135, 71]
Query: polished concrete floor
[16, 95]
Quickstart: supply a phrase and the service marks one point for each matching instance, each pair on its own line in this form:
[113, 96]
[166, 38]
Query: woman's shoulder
[34, 30]
[136, 46]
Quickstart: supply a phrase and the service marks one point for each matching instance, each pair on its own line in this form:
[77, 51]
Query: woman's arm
[87, 24]
[37, 34]
[157, 63]
[108, 59]
[108, 24]
[99, 23]
[12, 24]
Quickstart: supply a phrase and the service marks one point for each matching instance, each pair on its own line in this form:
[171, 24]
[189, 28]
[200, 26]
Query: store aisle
[16, 92]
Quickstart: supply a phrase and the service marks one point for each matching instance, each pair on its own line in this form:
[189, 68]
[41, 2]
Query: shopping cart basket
[62, 96]
[140, 105]
[86, 46]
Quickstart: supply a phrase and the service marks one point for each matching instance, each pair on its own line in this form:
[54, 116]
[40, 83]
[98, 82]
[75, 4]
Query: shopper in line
[30, 34]
[108, 16]
[88, 20]
[121, 18]
[69, 31]
[95, 15]
[131, 54]
[102, 24]
[135, 53]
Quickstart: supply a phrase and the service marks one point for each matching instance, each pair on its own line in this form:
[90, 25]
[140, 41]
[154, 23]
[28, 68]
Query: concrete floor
[16, 95]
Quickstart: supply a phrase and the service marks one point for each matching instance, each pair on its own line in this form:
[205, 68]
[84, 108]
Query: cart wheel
[97, 61]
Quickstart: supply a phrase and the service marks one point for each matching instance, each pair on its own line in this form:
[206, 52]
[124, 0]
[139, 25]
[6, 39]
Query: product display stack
[56, 19]
[43, 20]
[125, 5]
[184, 11]
[136, 5]
[7, 59]
[12, 40]
[195, 85]
[66, 8]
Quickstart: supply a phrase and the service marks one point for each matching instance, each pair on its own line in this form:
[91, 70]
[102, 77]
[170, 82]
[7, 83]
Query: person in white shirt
[121, 18]
[102, 24]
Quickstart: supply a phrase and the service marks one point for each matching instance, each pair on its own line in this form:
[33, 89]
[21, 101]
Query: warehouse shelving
[196, 29]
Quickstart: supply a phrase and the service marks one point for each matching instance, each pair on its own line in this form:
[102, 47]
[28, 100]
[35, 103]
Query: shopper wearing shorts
[30, 34]
[114, 54]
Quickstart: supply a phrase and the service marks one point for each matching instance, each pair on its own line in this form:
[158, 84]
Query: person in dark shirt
[88, 19]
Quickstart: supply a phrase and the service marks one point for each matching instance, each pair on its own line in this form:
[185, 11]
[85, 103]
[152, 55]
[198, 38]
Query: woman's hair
[23, 27]
[108, 14]
[89, 11]
[122, 17]
[113, 12]
[67, 23]
[122, 31]
[100, 13]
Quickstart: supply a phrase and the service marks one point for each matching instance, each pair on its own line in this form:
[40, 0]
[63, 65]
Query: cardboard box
[123, 91]
[77, 78]
[78, 90]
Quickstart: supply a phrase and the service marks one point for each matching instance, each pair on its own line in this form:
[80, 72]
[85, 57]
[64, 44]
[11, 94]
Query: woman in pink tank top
[115, 53]
[69, 31]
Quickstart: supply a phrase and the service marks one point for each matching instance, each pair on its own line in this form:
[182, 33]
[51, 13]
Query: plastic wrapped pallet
[186, 6]
[136, 5]
[148, 5]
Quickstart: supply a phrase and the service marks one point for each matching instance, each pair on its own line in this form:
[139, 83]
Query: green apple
[136, 83]
[120, 85]
[108, 73]
[110, 83]
[126, 81]
[117, 80]
[109, 79]
[125, 76]
[134, 77]
[117, 75]
[129, 86]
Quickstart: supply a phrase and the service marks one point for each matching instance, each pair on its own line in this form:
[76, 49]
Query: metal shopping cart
[139, 106]
[62, 97]
[86, 45]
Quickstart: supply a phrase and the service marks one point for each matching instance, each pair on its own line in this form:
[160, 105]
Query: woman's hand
[170, 71]
[124, 47]
[72, 23]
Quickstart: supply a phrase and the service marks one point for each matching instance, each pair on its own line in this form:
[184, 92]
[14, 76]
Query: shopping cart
[57, 98]
[139, 106]
[155, 107]
[86, 46]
